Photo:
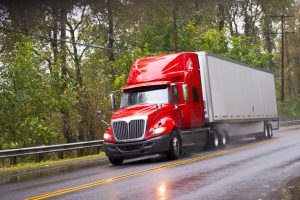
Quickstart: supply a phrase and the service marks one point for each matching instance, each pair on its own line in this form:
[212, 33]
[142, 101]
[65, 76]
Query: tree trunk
[66, 118]
[282, 91]
[221, 15]
[110, 31]
[233, 24]
[297, 63]
[269, 45]
[175, 31]
[291, 91]
[77, 61]
[54, 43]
[247, 20]
[18, 14]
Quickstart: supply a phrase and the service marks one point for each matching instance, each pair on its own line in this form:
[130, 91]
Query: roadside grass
[46, 163]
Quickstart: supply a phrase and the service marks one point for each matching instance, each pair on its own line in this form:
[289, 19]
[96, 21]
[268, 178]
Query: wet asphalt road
[251, 170]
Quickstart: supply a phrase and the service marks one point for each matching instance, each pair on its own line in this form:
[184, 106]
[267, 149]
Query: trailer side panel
[236, 92]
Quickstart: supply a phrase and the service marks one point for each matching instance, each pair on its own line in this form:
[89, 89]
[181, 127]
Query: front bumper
[135, 149]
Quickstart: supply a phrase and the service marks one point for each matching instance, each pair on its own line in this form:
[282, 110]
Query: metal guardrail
[39, 151]
[61, 148]
[289, 123]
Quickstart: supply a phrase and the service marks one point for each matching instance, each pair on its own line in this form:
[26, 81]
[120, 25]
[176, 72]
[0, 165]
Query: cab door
[177, 102]
[195, 101]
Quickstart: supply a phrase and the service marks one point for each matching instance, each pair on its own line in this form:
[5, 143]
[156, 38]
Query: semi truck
[189, 100]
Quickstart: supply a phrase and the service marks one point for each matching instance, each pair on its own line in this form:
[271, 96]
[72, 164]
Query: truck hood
[140, 110]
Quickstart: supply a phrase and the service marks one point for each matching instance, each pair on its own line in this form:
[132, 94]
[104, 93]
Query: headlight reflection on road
[162, 191]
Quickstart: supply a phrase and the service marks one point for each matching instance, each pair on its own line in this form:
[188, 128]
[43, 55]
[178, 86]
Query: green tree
[26, 99]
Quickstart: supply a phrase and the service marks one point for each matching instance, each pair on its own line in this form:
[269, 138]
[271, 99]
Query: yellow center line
[104, 181]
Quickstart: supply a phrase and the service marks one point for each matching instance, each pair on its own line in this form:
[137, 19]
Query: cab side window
[175, 94]
[195, 95]
[185, 92]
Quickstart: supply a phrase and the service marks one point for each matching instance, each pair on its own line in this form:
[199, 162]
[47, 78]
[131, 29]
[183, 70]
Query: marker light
[158, 130]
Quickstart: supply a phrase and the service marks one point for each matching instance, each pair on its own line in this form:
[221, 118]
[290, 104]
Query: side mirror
[112, 102]
[185, 92]
[99, 113]
[159, 106]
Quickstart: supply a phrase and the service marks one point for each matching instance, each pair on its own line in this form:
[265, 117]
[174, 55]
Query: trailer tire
[115, 161]
[213, 139]
[270, 131]
[266, 131]
[175, 148]
[264, 135]
[223, 140]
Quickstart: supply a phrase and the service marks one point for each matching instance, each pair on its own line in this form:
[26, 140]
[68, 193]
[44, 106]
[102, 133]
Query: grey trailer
[238, 99]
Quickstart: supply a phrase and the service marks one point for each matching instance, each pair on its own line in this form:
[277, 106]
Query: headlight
[107, 137]
[158, 130]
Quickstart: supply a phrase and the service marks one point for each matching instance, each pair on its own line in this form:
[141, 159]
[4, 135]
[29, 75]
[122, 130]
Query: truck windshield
[145, 95]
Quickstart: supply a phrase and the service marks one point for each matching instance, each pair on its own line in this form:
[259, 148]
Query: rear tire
[175, 148]
[266, 132]
[222, 140]
[264, 135]
[116, 161]
[214, 139]
[270, 131]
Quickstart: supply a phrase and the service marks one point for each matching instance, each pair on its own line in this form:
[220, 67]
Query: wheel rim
[216, 141]
[176, 145]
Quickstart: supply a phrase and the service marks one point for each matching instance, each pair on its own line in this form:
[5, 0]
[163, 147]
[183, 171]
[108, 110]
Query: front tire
[175, 148]
[116, 161]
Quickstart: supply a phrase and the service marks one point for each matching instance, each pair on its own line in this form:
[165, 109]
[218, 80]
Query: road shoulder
[10, 175]
[291, 191]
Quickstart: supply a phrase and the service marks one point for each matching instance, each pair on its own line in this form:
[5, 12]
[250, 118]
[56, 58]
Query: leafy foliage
[26, 99]
[289, 110]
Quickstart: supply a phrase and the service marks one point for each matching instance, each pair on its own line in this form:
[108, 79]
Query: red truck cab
[161, 109]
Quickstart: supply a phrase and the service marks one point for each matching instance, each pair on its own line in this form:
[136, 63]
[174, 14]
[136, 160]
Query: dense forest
[59, 60]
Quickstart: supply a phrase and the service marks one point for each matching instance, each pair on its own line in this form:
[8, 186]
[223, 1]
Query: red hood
[140, 110]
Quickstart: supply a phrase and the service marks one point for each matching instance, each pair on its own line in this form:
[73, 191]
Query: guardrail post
[79, 152]
[61, 155]
[97, 150]
[13, 161]
[39, 157]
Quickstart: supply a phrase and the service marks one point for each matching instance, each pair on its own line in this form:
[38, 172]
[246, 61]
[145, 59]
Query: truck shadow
[162, 158]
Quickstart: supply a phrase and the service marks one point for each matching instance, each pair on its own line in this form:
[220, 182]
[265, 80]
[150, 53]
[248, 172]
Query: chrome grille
[129, 129]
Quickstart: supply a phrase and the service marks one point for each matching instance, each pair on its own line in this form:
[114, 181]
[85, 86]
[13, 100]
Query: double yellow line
[178, 163]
